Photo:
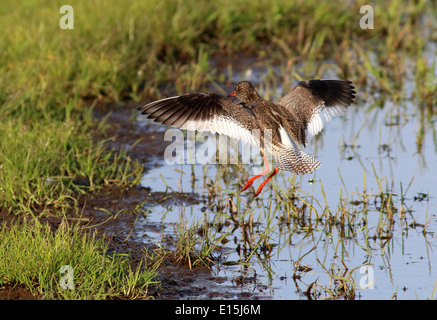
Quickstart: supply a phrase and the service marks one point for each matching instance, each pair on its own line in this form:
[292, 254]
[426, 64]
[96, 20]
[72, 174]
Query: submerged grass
[372, 218]
[195, 244]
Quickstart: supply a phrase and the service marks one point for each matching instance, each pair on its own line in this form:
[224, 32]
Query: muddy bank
[177, 280]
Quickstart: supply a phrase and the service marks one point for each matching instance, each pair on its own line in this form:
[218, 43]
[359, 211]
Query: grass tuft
[33, 255]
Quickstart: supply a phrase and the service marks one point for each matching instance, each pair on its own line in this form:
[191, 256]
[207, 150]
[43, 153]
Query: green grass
[42, 168]
[32, 255]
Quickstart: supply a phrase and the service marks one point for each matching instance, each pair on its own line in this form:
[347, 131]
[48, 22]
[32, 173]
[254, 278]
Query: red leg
[251, 180]
[275, 171]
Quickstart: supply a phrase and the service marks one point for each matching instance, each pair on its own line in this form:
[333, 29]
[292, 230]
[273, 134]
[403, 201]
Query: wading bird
[278, 125]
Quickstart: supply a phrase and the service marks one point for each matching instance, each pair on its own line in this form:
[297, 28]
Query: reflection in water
[362, 226]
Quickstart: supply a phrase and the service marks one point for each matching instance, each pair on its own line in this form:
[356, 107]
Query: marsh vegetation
[371, 204]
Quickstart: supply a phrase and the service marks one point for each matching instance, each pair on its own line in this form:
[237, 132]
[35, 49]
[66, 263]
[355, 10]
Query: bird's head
[245, 91]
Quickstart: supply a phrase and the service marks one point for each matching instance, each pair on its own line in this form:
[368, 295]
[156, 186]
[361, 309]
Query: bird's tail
[295, 160]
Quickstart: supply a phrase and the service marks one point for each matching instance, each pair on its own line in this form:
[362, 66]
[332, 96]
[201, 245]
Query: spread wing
[202, 112]
[315, 102]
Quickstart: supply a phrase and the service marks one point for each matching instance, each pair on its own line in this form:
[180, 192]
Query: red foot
[248, 184]
[275, 171]
[251, 180]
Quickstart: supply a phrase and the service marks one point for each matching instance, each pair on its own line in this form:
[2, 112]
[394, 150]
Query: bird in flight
[272, 126]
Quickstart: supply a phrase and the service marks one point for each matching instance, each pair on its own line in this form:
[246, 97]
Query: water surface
[375, 145]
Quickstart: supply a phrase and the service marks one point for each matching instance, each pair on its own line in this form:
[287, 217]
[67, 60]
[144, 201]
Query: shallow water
[372, 142]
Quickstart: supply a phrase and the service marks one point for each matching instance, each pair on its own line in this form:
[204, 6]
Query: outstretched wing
[201, 112]
[316, 102]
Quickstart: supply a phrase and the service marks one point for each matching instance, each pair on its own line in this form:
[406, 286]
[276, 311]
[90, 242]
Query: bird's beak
[232, 94]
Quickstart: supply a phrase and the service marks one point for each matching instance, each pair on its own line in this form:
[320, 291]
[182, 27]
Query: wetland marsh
[79, 162]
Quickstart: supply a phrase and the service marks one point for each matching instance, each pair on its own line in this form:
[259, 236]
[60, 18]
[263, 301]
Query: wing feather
[201, 112]
[315, 102]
